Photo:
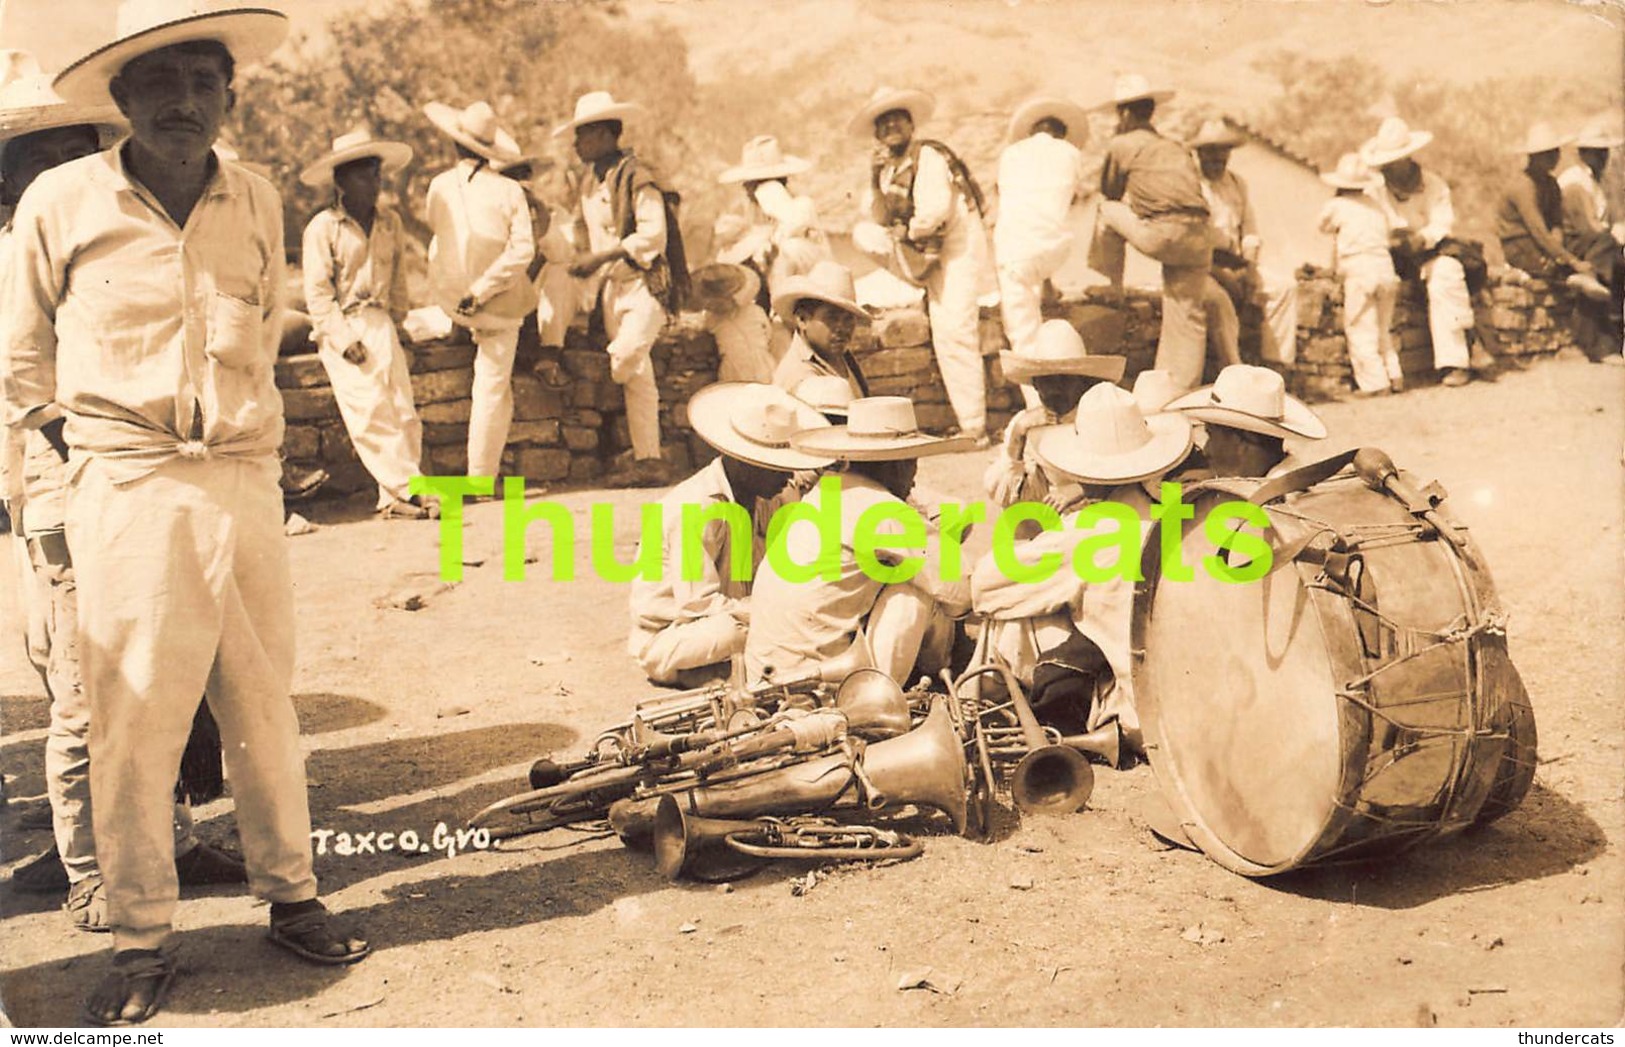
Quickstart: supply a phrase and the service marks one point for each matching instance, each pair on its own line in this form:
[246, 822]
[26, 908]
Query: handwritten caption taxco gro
[441, 839]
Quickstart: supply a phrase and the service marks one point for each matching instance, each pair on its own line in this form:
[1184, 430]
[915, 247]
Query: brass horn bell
[680, 838]
[874, 704]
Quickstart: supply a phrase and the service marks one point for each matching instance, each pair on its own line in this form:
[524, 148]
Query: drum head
[1235, 692]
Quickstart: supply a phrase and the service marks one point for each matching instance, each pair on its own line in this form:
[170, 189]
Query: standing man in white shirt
[483, 243]
[140, 332]
[355, 289]
[628, 261]
[1040, 175]
[926, 208]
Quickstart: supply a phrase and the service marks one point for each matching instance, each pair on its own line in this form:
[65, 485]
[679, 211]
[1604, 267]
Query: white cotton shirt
[1039, 177]
[148, 336]
[483, 243]
[1427, 212]
[1359, 226]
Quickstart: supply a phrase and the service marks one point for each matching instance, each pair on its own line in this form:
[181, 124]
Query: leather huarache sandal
[87, 905]
[140, 977]
[308, 934]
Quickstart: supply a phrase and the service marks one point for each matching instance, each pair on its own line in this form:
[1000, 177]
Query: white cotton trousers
[491, 400]
[951, 292]
[693, 644]
[1450, 311]
[906, 627]
[1021, 297]
[375, 401]
[1370, 289]
[184, 589]
[633, 321]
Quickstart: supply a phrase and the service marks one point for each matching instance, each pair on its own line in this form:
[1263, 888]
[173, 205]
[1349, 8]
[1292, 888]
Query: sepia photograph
[799, 514]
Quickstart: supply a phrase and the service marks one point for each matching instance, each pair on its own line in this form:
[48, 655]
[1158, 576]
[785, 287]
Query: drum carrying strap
[1300, 479]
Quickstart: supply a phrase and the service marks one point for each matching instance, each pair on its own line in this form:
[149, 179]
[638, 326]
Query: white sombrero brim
[1060, 448]
[785, 304]
[394, 155]
[1159, 96]
[1332, 179]
[1296, 417]
[838, 441]
[786, 168]
[1074, 116]
[1018, 368]
[106, 119]
[500, 152]
[1375, 157]
[625, 112]
[711, 412]
[917, 104]
[249, 33]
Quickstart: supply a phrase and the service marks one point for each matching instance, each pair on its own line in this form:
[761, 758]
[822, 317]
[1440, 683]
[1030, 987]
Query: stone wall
[570, 417]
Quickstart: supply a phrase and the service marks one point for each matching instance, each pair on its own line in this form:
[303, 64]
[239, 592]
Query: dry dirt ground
[417, 718]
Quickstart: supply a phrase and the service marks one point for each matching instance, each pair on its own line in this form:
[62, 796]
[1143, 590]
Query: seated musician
[796, 624]
[1060, 370]
[1248, 416]
[686, 632]
[1067, 639]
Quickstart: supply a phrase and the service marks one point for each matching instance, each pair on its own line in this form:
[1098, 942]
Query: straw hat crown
[1216, 133]
[1600, 132]
[1542, 137]
[1153, 389]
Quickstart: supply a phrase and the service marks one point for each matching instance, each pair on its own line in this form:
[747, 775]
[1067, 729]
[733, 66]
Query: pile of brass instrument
[714, 780]
[748, 771]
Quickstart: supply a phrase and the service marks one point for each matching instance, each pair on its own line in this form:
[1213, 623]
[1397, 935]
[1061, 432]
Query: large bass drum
[1356, 701]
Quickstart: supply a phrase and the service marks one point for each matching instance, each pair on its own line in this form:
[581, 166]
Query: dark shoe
[641, 472]
[35, 816]
[1396, 385]
[43, 874]
[134, 991]
[300, 484]
[306, 930]
[204, 866]
[87, 905]
[1455, 376]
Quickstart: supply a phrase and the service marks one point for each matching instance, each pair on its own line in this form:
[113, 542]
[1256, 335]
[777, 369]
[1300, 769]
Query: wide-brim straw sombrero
[762, 159]
[1351, 172]
[1250, 398]
[249, 33]
[28, 104]
[1073, 115]
[357, 145]
[1541, 138]
[596, 107]
[1216, 133]
[1132, 87]
[1393, 141]
[723, 283]
[755, 423]
[1060, 350]
[826, 282]
[1110, 441]
[878, 429]
[918, 104]
[476, 129]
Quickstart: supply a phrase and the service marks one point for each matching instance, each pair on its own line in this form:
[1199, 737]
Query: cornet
[680, 837]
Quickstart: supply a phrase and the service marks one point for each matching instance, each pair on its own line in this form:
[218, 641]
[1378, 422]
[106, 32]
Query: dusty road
[417, 718]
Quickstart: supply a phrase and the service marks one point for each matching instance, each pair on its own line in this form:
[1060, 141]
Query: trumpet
[680, 838]
[1049, 777]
